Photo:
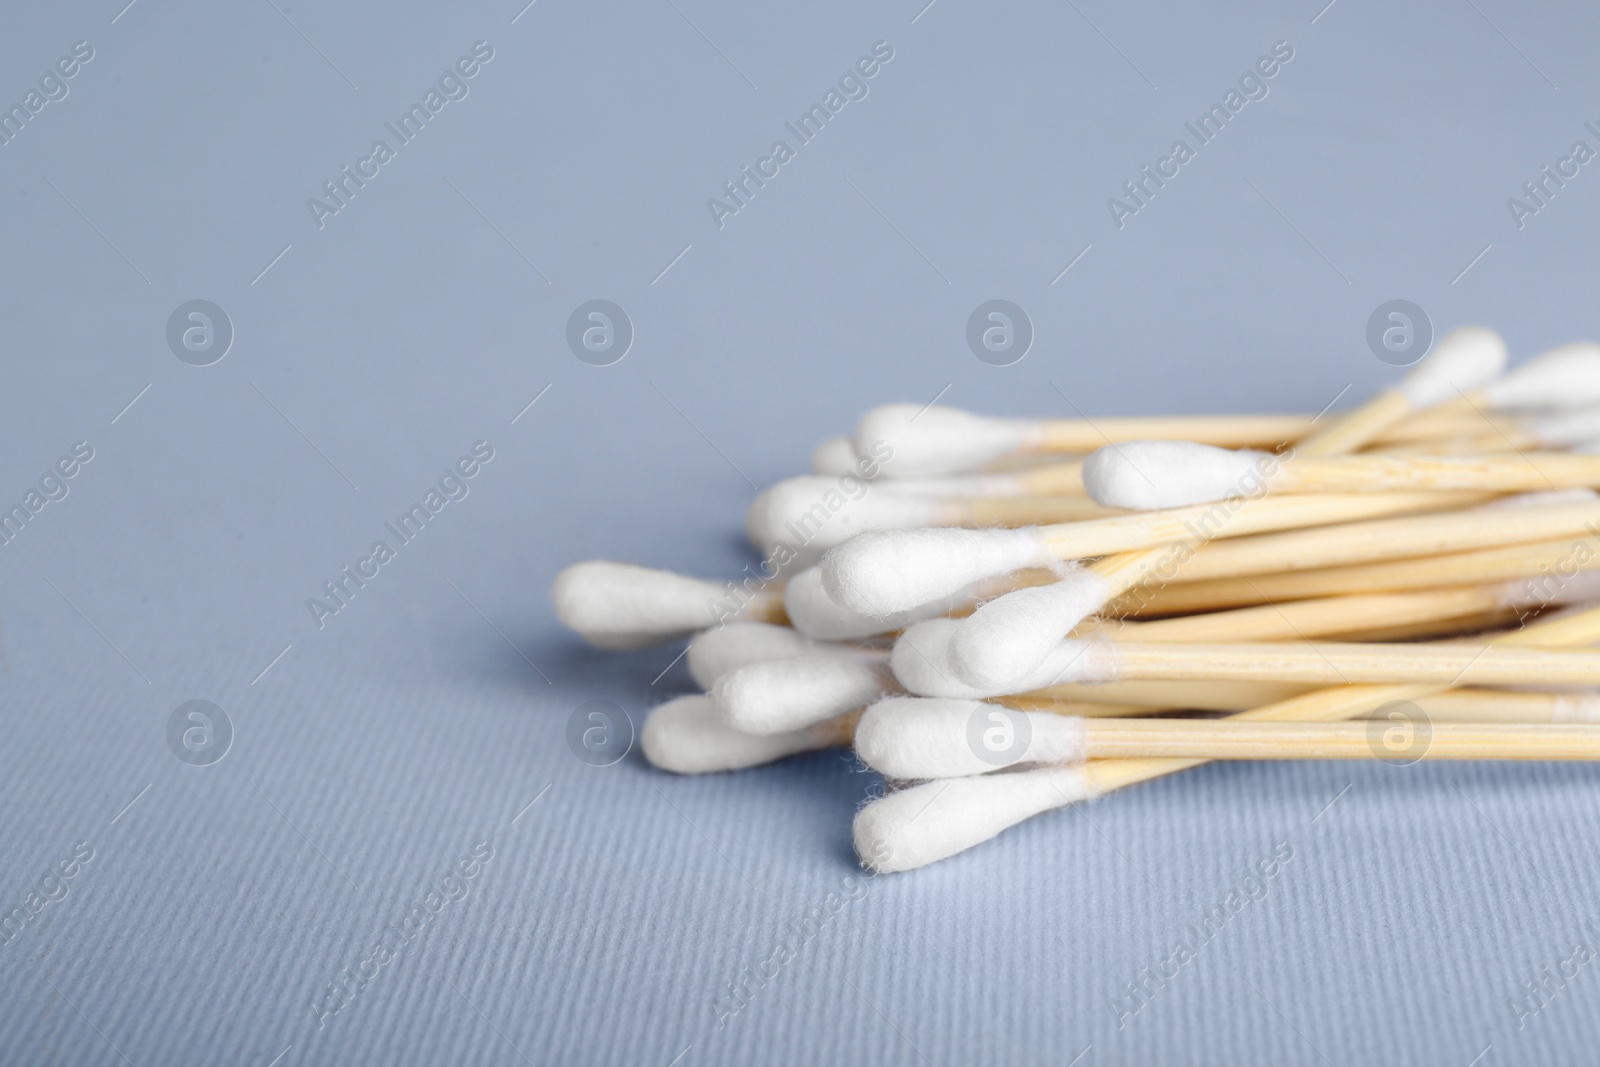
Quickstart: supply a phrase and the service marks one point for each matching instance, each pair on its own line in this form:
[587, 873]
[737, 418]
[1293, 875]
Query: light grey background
[428, 714]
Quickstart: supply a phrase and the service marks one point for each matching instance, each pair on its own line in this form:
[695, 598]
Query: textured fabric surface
[415, 741]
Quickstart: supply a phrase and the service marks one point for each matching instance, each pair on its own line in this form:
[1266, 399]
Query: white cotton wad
[958, 485]
[815, 614]
[622, 606]
[885, 571]
[1464, 359]
[787, 694]
[934, 821]
[685, 736]
[725, 648]
[1575, 427]
[921, 664]
[913, 737]
[1564, 377]
[815, 514]
[1005, 641]
[833, 457]
[1148, 475]
[929, 441]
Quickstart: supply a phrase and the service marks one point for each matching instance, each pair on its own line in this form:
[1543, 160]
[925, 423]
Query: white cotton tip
[787, 694]
[1464, 359]
[815, 614]
[882, 572]
[622, 606]
[914, 827]
[686, 737]
[715, 652]
[1005, 641]
[1147, 475]
[833, 457]
[1575, 427]
[921, 664]
[923, 441]
[818, 513]
[914, 737]
[920, 661]
[1564, 377]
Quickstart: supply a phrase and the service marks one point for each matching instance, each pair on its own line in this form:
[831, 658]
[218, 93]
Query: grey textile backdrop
[374, 346]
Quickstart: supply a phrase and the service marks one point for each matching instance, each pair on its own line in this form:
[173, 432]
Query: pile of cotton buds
[1008, 616]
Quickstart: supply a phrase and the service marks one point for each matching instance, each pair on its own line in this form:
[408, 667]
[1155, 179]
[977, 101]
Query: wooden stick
[1245, 431]
[1503, 705]
[1159, 694]
[1228, 431]
[1423, 464]
[1510, 440]
[1445, 423]
[1393, 538]
[1335, 663]
[1460, 626]
[1450, 705]
[1236, 518]
[1452, 463]
[1127, 570]
[1346, 702]
[1321, 617]
[1522, 472]
[1549, 562]
[1357, 428]
[1458, 706]
[1229, 740]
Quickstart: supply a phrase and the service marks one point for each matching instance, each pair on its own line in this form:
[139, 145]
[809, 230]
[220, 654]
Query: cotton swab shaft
[1160, 693]
[1194, 739]
[1394, 538]
[919, 738]
[1083, 435]
[1443, 629]
[1506, 705]
[1333, 663]
[1130, 569]
[1321, 617]
[1466, 462]
[1359, 427]
[1245, 431]
[1523, 472]
[1465, 359]
[1345, 702]
[685, 736]
[1556, 561]
[1511, 439]
[1237, 518]
[1449, 705]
